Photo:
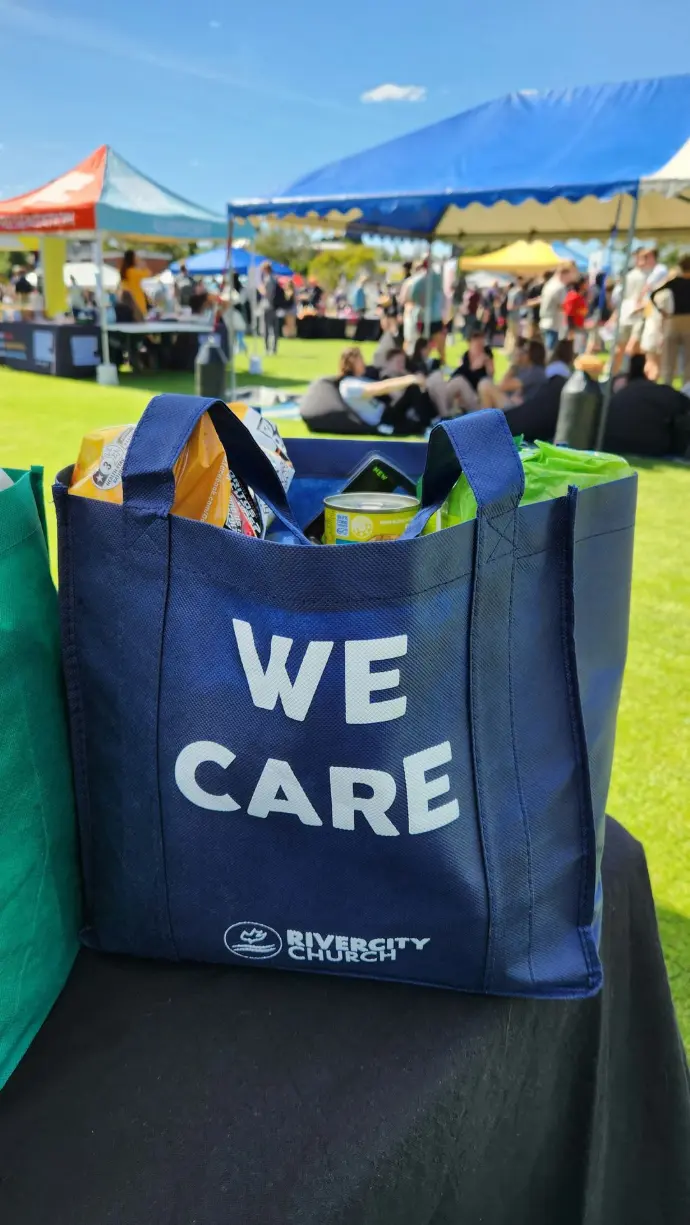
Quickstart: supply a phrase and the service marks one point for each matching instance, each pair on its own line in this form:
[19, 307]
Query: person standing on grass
[652, 338]
[268, 291]
[551, 318]
[676, 322]
[515, 303]
[427, 286]
[575, 307]
[131, 276]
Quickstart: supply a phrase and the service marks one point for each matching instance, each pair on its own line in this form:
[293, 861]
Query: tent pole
[251, 283]
[608, 389]
[102, 313]
[230, 274]
[427, 291]
[106, 373]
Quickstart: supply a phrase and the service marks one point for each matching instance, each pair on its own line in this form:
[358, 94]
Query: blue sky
[216, 99]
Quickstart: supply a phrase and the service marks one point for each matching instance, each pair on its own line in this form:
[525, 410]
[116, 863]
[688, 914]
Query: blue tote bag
[388, 760]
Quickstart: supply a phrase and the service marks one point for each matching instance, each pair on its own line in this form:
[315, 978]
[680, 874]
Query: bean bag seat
[537, 417]
[648, 419]
[325, 412]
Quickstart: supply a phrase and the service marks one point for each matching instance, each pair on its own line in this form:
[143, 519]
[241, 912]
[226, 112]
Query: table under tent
[104, 195]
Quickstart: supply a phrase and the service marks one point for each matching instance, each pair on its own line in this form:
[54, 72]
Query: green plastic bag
[549, 470]
[39, 883]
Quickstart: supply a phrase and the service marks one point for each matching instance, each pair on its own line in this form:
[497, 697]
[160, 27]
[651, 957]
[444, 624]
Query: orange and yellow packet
[202, 481]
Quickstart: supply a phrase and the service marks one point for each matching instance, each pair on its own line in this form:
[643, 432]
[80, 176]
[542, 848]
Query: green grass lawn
[43, 419]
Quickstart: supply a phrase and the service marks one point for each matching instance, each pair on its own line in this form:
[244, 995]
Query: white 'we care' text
[278, 790]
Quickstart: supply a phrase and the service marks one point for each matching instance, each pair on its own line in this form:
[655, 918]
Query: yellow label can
[355, 518]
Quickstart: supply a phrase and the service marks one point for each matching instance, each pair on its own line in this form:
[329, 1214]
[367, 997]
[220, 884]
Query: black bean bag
[537, 417]
[324, 411]
[648, 419]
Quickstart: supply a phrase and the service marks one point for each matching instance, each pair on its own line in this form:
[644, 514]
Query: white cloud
[528, 93]
[395, 93]
[215, 25]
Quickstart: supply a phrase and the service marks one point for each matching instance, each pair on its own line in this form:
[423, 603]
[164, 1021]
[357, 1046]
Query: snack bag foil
[205, 489]
[269, 439]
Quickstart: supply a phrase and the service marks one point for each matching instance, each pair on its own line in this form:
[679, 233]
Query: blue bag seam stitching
[567, 624]
[486, 855]
[506, 539]
[161, 823]
[518, 779]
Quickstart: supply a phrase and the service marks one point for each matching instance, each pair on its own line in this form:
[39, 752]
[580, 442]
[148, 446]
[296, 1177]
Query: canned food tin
[354, 518]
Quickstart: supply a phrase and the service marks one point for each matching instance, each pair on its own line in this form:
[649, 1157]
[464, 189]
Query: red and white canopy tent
[103, 194]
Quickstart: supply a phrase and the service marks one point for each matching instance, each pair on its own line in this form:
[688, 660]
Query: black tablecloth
[325, 327]
[192, 1095]
[69, 350]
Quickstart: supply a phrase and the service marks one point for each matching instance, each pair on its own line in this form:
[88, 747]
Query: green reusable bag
[549, 471]
[39, 883]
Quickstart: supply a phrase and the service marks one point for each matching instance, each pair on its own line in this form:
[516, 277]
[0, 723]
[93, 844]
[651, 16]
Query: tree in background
[13, 259]
[351, 260]
[291, 247]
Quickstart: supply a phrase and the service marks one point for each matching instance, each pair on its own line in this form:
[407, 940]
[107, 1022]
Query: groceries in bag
[374, 474]
[357, 518]
[269, 439]
[205, 488]
[549, 472]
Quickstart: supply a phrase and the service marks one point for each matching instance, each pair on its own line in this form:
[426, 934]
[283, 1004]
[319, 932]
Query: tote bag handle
[480, 445]
[148, 480]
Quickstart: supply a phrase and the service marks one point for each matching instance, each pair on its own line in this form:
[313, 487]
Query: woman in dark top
[477, 362]
[677, 323]
[420, 360]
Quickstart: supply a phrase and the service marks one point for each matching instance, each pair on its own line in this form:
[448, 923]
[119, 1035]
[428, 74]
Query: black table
[192, 1095]
[69, 350]
[324, 327]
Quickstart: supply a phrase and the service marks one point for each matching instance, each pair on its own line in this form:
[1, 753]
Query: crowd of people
[546, 326]
[647, 310]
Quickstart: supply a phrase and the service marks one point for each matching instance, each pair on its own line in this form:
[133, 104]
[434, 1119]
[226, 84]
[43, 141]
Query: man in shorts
[652, 337]
[426, 282]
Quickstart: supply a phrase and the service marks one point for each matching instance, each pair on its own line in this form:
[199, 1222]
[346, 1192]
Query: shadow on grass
[674, 930]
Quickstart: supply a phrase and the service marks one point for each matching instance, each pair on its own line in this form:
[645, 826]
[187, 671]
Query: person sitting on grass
[420, 360]
[388, 341]
[399, 404]
[636, 372]
[522, 380]
[477, 362]
[561, 361]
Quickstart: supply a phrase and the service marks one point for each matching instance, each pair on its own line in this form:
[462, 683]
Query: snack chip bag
[269, 439]
[205, 489]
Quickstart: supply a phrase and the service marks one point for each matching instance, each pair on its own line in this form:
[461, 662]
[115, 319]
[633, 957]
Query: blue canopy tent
[213, 263]
[564, 163]
[581, 162]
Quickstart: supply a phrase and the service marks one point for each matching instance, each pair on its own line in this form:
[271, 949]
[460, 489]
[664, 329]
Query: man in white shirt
[629, 295]
[551, 318]
[652, 338]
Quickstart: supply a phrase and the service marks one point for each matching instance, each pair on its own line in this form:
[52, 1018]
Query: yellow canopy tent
[521, 258]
